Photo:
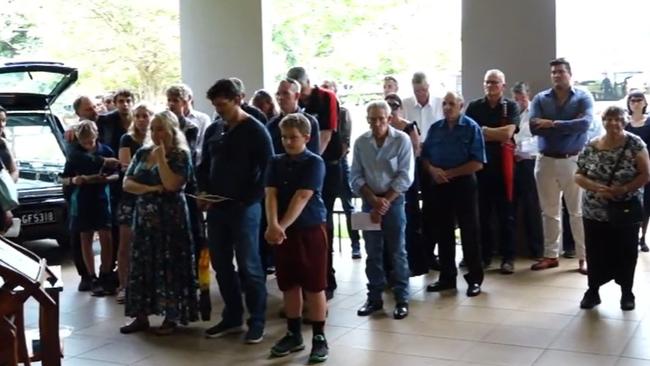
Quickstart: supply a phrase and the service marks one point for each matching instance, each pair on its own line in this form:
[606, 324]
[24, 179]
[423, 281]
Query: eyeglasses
[492, 82]
[394, 106]
[639, 100]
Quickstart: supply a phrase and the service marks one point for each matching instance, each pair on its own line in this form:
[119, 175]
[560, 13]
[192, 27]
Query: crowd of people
[257, 186]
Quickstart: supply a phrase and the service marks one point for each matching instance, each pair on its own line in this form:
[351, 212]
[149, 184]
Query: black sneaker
[288, 344]
[97, 288]
[85, 285]
[319, 349]
[222, 329]
[108, 281]
[643, 246]
[254, 335]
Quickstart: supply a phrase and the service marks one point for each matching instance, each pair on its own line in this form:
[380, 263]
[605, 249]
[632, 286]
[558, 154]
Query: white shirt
[200, 120]
[425, 115]
[526, 143]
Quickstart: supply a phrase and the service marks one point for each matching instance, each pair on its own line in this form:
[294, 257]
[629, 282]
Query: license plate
[38, 218]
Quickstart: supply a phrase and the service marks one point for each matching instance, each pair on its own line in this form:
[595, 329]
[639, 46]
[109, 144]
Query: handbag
[628, 212]
[8, 191]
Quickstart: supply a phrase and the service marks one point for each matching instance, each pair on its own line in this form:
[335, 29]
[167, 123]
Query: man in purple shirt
[560, 117]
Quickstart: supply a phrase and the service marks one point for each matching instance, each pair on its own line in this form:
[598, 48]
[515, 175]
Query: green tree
[16, 31]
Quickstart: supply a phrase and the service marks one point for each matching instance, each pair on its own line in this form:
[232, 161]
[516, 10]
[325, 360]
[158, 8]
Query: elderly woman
[161, 278]
[612, 169]
[640, 125]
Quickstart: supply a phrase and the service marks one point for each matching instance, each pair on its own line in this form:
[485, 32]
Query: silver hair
[459, 97]
[295, 85]
[496, 72]
[380, 104]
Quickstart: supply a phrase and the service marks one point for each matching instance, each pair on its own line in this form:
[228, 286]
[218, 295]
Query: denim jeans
[234, 228]
[390, 237]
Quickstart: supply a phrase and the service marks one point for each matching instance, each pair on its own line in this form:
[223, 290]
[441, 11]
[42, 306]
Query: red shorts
[301, 260]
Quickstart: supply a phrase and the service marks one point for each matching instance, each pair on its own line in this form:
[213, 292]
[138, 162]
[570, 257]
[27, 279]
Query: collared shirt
[385, 167]
[526, 142]
[423, 115]
[235, 160]
[276, 137]
[485, 115]
[200, 120]
[572, 120]
[447, 148]
[290, 173]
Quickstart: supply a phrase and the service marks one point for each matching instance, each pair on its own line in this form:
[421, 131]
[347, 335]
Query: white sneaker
[121, 296]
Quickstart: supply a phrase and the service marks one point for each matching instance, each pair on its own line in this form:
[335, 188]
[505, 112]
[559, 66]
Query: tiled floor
[529, 318]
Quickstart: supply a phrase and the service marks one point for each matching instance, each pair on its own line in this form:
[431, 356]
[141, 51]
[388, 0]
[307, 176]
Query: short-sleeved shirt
[128, 141]
[290, 173]
[597, 165]
[82, 162]
[485, 115]
[323, 105]
[450, 148]
[273, 127]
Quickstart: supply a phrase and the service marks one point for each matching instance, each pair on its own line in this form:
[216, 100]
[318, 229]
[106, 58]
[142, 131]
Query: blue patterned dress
[162, 277]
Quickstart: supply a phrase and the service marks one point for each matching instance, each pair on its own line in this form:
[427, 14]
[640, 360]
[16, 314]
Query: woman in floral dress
[162, 269]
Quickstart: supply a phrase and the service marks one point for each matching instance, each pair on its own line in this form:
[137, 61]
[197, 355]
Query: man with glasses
[560, 117]
[498, 118]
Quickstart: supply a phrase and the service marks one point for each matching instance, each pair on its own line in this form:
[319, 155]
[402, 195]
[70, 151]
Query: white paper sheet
[361, 221]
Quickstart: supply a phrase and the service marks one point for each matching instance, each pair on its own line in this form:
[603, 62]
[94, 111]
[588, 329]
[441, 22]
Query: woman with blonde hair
[137, 135]
[161, 277]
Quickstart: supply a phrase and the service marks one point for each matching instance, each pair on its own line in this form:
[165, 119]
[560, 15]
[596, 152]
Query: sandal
[135, 326]
[166, 328]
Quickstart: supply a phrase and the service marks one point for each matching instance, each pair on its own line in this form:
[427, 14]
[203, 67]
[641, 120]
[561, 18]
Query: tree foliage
[16, 30]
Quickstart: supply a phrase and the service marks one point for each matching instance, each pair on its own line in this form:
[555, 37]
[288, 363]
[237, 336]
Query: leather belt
[560, 156]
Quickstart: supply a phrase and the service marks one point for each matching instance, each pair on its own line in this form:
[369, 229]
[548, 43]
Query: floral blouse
[597, 165]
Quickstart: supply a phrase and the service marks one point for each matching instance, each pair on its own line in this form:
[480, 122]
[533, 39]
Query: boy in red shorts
[296, 227]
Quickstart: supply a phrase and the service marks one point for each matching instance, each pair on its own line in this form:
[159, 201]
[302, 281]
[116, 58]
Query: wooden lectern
[23, 275]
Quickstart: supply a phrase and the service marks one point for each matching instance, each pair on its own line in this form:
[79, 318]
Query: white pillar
[515, 36]
[223, 38]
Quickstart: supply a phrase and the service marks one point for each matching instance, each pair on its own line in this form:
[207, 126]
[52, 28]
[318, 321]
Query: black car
[35, 138]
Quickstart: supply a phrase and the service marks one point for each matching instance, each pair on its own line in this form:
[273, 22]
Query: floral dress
[597, 165]
[162, 277]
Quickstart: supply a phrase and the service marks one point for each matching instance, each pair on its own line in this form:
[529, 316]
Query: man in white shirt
[525, 189]
[422, 107]
[425, 110]
[179, 100]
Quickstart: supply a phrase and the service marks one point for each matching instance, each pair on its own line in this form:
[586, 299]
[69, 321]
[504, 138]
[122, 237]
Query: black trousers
[611, 253]
[527, 206]
[428, 216]
[492, 203]
[331, 187]
[457, 201]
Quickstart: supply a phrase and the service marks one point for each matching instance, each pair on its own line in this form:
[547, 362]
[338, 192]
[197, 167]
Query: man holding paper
[382, 170]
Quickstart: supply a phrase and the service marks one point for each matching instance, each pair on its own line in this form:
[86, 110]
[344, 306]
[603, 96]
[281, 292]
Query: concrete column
[223, 38]
[515, 36]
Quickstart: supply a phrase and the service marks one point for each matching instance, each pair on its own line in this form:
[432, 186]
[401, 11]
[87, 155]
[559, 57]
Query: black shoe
[627, 302]
[401, 310]
[97, 288]
[288, 344]
[569, 254]
[135, 326]
[462, 264]
[369, 307]
[643, 246]
[254, 334]
[441, 286]
[356, 251]
[319, 349]
[474, 289]
[108, 281]
[270, 270]
[222, 329]
[86, 284]
[435, 264]
[590, 299]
